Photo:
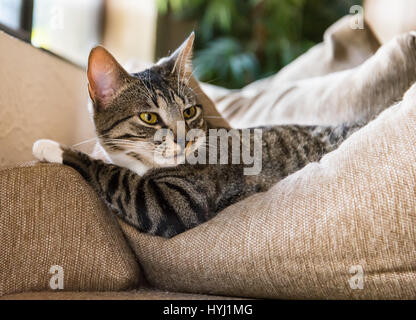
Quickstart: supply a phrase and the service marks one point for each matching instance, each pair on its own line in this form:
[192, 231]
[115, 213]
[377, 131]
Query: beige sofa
[342, 228]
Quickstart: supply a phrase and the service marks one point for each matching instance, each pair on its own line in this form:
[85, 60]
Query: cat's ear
[105, 76]
[180, 61]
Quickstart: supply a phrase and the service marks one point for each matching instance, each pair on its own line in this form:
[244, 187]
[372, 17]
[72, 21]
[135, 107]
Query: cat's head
[130, 109]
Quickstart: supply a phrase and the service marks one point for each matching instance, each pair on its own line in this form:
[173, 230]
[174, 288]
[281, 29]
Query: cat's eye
[148, 117]
[189, 113]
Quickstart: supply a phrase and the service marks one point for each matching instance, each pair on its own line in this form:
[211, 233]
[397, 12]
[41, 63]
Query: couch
[341, 228]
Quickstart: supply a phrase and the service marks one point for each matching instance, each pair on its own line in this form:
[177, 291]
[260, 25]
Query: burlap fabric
[141, 294]
[311, 234]
[50, 216]
[302, 91]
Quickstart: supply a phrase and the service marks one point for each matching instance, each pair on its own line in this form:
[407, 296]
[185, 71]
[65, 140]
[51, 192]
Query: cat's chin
[165, 162]
[122, 160]
[140, 167]
[151, 161]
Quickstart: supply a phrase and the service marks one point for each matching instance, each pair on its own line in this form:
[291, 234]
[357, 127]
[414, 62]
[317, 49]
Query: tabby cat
[150, 193]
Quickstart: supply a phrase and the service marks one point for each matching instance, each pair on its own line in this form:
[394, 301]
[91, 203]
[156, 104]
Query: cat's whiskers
[194, 92]
[87, 141]
[207, 144]
[147, 93]
[139, 149]
[123, 144]
[131, 145]
[150, 83]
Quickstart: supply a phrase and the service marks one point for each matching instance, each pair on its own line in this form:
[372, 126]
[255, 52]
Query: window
[70, 28]
[16, 18]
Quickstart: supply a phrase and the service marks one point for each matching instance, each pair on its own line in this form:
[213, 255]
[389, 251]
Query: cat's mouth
[178, 152]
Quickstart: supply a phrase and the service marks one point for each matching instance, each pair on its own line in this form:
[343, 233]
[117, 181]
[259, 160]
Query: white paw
[48, 151]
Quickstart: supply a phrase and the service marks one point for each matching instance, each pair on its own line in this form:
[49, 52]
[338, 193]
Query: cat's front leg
[96, 172]
[54, 152]
[92, 170]
[122, 189]
[164, 202]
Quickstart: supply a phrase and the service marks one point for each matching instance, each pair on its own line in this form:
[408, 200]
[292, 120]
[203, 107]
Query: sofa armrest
[50, 216]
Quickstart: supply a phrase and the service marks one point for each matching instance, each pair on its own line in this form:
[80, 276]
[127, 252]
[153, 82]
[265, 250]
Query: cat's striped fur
[165, 200]
[168, 201]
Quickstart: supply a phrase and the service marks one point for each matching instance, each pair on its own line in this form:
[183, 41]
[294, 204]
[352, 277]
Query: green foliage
[239, 41]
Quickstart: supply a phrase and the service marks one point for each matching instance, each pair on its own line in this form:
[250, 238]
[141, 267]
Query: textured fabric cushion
[41, 96]
[141, 294]
[50, 216]
[296, 94]
[355, 210]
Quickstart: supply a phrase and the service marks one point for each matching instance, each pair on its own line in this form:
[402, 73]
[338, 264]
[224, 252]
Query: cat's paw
[47, 151]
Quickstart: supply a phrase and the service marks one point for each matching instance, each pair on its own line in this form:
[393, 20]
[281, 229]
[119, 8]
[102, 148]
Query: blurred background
[237, 41]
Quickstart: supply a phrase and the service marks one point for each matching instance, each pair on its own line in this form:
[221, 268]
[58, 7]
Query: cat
[165, 198]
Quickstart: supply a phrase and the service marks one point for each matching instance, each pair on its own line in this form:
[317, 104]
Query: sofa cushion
[294, 93]
[41, 96]
[141, 294]
[343, 228]
[49, 216]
